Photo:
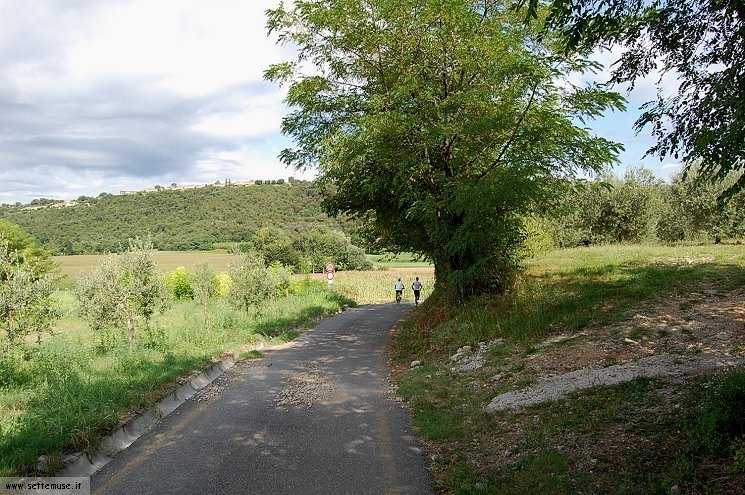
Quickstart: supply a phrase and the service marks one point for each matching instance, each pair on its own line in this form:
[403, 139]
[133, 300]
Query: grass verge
[645, 436]
[67, 392]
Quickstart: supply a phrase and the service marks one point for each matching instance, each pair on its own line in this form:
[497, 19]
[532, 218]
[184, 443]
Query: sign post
[330, 271]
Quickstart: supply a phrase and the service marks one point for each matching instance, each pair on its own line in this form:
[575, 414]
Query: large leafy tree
[440, 121]
[699, 42]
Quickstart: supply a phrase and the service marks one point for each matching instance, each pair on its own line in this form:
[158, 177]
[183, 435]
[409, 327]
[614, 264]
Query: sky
[110, 95]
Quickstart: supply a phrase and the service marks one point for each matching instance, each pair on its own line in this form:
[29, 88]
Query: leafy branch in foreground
[700, 44]
[442, 122]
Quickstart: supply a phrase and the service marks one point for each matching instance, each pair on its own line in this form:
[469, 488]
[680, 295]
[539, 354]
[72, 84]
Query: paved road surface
[356, 440]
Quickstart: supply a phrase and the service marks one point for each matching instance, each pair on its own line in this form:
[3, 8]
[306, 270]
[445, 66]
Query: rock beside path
[557, 387]
[465, 360]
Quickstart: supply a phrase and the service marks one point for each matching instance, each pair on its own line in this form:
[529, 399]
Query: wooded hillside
[176, 219]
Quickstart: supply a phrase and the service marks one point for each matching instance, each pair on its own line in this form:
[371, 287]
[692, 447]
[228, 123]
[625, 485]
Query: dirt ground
[707, 324]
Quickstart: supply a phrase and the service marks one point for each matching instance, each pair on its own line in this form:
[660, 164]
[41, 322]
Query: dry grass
[73, 266]
[376, 287]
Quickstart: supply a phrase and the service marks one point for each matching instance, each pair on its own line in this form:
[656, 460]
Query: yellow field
[73, 266]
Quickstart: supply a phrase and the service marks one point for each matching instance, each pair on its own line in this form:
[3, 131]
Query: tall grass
[567, 290]
[68, 391]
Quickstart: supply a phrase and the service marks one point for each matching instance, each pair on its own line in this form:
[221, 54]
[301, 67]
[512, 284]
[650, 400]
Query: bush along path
[315, 417]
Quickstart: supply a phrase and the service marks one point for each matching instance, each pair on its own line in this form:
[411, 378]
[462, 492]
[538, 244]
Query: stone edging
[89, 462]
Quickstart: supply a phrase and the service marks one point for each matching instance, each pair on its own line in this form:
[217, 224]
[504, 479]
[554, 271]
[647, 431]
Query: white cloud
[118, 94]
[103, 95]
[250, 115]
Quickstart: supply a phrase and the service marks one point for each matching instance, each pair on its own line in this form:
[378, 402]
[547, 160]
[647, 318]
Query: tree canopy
[439, 121]
[699, 42]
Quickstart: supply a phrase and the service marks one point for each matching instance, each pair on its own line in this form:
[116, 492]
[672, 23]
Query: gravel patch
[302, 389]
[466, 360]
[553, 388]
[214, 389]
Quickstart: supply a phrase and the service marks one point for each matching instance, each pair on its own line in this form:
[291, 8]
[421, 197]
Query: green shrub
[26, 299]
[178, 284]
[25, 249]
[203, 284]
[320, 246]
[223, 283]
[671, 226]
[279, 277]
[123, 292]
[251, 284]
[538, 237]
[610, 211]
[276, 246]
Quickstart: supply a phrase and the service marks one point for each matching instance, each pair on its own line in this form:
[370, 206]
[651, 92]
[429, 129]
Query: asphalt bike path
[314, 418]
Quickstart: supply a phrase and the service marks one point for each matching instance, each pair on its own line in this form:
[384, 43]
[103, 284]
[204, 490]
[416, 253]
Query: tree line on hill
[179, 220]
[288, 224]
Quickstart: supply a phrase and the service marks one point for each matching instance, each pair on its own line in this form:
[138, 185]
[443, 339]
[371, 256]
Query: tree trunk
[130, 331]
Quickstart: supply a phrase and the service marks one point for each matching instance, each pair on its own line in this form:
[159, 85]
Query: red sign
[330, 269]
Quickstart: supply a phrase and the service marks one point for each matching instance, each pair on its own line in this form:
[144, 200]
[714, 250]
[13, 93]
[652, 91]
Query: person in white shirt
[417, 288]
[399, 288]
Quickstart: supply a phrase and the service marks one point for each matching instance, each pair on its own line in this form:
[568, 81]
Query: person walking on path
[417, 288]
[399, 287]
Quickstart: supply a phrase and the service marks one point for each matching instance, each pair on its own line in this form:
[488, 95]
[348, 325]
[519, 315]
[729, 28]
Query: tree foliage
[26, 305]
[701, 43]
[442, 121]
[251, 282]
[641, 208]
[178, 283]
[611, 210]
[25, 248]
[123, 292]
[190, 219]
[204, 285]
[307, 251]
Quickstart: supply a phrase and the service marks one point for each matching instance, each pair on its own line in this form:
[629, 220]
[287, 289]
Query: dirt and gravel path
[557, 387]
[312, 418]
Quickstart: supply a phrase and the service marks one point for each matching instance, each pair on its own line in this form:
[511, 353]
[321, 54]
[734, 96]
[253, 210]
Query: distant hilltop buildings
[225, 183]
[81, 201]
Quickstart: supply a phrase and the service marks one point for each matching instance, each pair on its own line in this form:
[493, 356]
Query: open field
[73, 266]
[579, 308]
[403, 260]
[375, 287]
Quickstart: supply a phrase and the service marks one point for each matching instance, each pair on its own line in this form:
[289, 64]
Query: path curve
[353, 438]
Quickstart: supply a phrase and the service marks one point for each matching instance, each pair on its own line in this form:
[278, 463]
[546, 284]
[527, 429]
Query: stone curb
[89, 462]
